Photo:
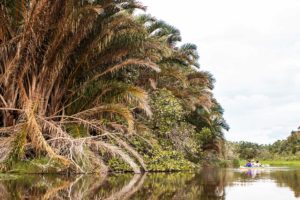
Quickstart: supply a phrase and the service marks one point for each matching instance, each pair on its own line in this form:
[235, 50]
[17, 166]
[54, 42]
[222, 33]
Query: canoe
[242, 167]
[261, 167]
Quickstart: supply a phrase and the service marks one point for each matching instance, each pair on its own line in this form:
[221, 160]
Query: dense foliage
[90, 86]
[249, 150]
[287, 149]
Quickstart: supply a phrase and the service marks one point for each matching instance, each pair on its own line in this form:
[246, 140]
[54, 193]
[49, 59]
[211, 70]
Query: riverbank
[290, 163]
[44, 165]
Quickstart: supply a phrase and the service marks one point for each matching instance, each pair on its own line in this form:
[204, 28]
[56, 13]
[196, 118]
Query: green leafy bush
[168, 161]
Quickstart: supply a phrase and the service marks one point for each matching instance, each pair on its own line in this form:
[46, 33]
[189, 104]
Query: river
[206, 184]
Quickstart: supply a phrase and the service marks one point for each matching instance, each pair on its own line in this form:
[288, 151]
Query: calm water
[230, 184]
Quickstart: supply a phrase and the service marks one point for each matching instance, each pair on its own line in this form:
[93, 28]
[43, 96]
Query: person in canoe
[249, 164]
[257, 164]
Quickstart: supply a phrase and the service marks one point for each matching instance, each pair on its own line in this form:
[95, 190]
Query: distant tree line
[287, 149]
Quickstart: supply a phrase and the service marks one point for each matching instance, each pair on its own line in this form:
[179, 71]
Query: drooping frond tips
[98, 9]
[145, 18]
[118, 109]
[128, 63]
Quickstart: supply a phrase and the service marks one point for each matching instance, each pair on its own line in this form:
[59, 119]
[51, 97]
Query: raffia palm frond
[6, 145]
[202, 78]
[37, 139]
[164, 32]
[137, 96]
[127, 63]
[118, 92]
[145, 19]
[193, 98]
[175, 73]
[54, 128]
[133, 152]
[118, 109]
[6, 30]
[112, 92]
[51, 49]
[117, 151]
[193, 87]
[86, 63]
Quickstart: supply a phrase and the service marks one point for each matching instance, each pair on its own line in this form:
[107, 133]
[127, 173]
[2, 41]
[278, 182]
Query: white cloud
[252, 48]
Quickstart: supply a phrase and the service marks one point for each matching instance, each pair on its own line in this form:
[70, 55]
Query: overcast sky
[253, 50]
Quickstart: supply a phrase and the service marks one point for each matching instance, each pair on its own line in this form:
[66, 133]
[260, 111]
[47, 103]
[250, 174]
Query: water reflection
[290, 178]
[207, 184]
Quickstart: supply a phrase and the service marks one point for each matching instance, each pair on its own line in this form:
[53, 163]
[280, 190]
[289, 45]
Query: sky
[253, 50]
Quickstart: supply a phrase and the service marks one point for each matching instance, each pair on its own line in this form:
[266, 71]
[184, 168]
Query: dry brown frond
[153, 83]
[110, 108]
[6, 145]
[140, 96]
[37, 139]
[130, 150]
[127, 63]
[117, 151]
[49, 50]
[175, 73]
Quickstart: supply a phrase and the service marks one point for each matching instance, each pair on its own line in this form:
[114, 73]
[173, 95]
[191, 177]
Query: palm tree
[59, 65]
[181, 75]
[214, 121]
[75, 75]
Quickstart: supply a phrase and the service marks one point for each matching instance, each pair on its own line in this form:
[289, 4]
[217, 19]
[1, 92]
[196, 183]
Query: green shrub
[224, 163]
[118, 165]
[168, 161]
[236, 163]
